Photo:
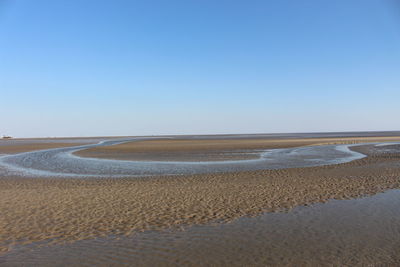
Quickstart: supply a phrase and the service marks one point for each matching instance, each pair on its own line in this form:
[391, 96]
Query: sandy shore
[60, 210]
[212, 149]
[355, 232]
[7, 147]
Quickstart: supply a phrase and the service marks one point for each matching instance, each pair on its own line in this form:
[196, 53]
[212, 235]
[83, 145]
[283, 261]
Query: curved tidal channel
[62, 162]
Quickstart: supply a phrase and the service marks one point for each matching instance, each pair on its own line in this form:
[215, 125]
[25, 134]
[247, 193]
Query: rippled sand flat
[65, 215]
[7, 147]
[202, 155]
[19, 145]
[35, 209]
[181, 149]
[356, 232]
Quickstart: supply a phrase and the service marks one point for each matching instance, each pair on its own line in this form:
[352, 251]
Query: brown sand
[13, 148]
[72, 209]
[211, 149]
[356, 232]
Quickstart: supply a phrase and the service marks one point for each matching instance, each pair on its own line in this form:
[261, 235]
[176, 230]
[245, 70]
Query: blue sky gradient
[95, 68]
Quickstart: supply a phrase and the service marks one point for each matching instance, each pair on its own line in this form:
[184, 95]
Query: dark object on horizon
[6, 137]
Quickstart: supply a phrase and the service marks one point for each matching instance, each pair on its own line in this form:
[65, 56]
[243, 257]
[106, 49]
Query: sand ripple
[34, 209]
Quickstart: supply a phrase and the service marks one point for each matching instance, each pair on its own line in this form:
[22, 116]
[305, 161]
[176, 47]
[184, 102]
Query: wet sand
[19, 148]
[137, 220]
[356, 232]
[38, 210]
[19, 145]
[213, 149]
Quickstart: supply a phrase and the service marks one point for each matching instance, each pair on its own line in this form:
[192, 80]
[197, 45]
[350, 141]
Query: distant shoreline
[235, 135]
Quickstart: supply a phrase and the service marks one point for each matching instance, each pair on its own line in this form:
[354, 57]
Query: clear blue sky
[84, 68]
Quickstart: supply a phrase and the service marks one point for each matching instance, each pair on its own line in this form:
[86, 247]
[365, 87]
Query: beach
[57, 210]
[199, 133]
[208, 149]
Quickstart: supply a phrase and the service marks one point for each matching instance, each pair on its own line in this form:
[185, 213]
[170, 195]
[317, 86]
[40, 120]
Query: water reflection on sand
[62, 162]
[340, 232]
